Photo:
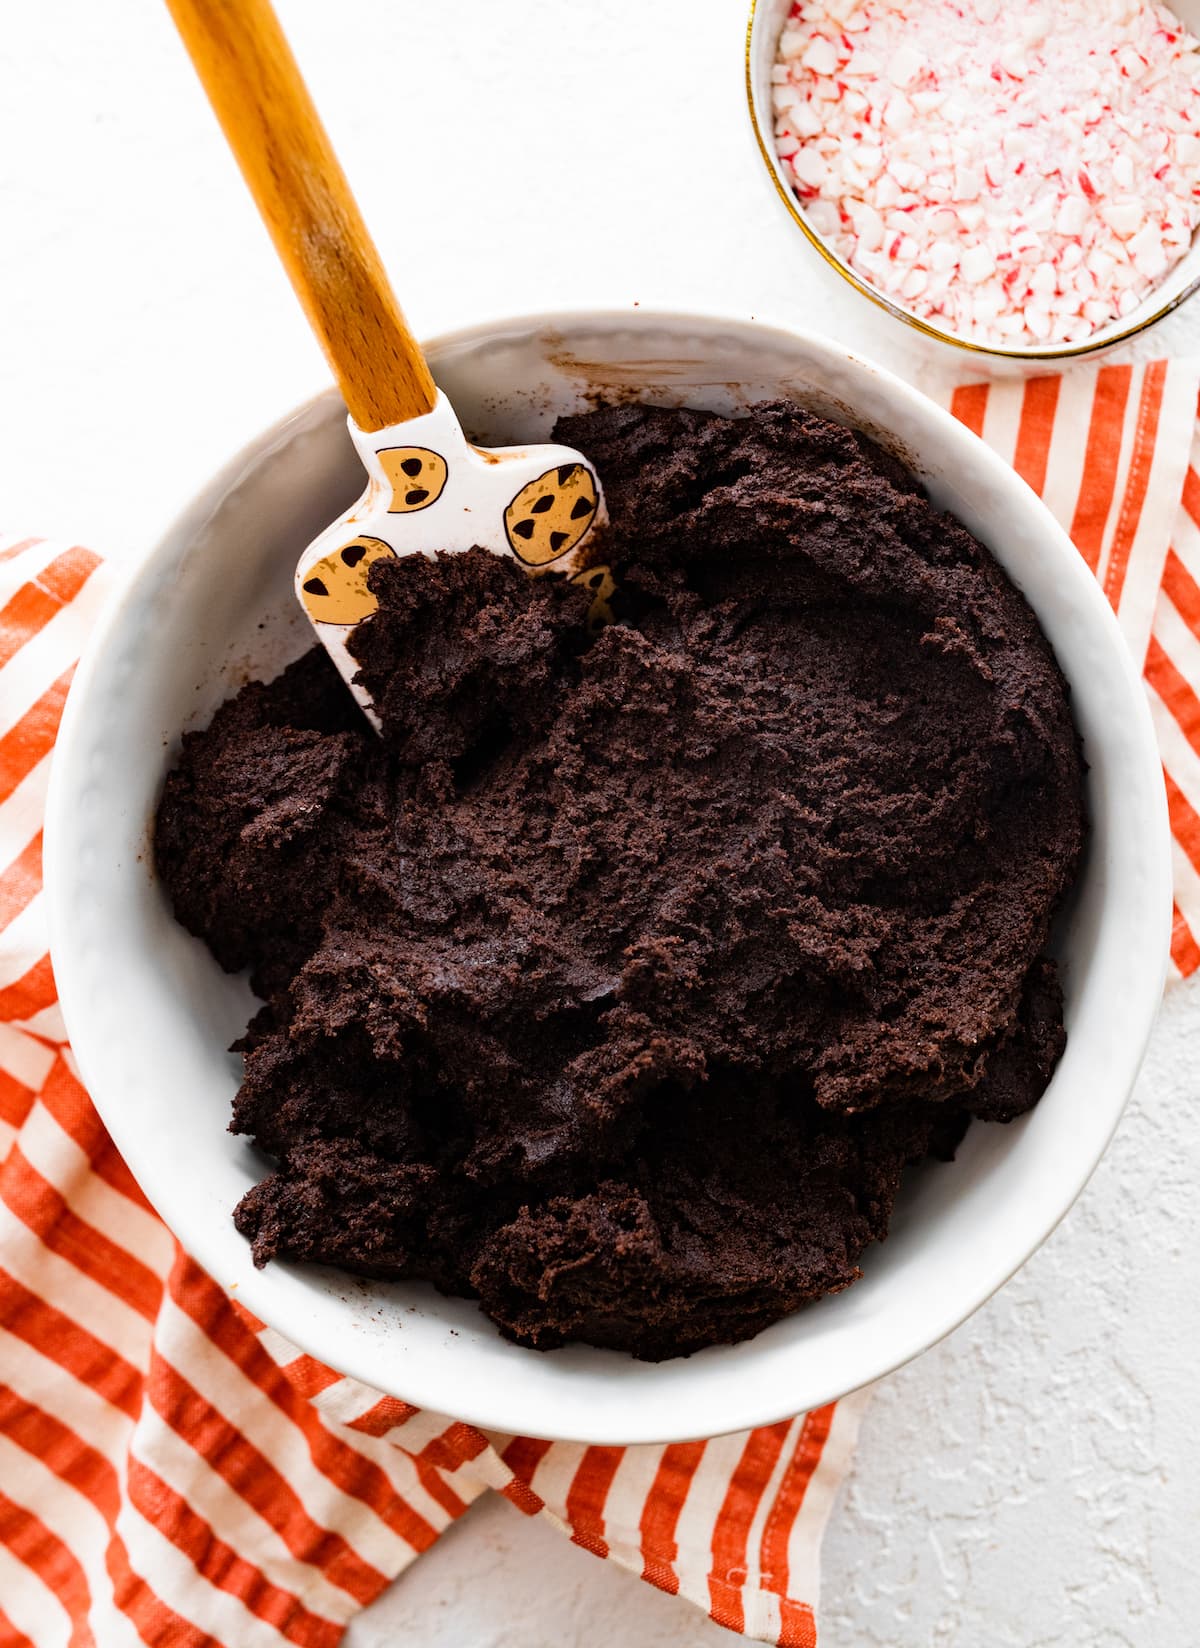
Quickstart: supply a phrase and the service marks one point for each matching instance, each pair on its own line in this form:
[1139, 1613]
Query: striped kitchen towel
[1115, 452]
[172, 1472]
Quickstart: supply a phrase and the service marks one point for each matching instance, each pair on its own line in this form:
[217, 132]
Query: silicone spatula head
[428, 488]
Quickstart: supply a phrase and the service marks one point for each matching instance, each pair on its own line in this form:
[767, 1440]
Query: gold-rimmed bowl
[767, 18]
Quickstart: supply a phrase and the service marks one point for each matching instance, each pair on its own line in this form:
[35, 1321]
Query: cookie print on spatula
[535, 503]
[429, 488]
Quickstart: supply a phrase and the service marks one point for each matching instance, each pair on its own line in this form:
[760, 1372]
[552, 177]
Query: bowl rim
[1053, 352]
[468, 1398]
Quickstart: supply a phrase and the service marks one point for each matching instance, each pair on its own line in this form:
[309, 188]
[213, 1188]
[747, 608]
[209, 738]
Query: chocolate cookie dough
[619, 982]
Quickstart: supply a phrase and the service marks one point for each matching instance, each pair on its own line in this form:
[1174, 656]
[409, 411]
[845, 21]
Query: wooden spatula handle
[256, 89]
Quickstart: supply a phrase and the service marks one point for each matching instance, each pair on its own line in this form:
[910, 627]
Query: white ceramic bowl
[151, 1015]
[767, 18]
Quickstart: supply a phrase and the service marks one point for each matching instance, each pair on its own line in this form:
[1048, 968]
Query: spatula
[428, 487]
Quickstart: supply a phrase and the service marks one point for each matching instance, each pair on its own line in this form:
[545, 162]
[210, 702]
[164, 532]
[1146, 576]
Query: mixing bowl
[151, 1015]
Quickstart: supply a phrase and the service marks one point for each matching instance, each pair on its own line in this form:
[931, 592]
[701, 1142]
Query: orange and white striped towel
[172, 1472]
[1115, 453]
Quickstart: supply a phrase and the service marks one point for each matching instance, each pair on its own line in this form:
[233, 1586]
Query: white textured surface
[1036, 1480]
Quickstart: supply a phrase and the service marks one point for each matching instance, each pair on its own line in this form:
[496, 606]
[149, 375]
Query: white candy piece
[820, 57]
[976, 264]
[1022, 174]
[905, 66]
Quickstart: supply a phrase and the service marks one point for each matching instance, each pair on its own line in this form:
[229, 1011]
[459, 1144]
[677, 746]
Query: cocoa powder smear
[619, 982]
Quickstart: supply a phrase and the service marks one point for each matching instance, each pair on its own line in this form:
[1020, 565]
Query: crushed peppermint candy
[1019, 173]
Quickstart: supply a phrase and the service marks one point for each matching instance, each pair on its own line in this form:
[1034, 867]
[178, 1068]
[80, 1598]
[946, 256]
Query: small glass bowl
[767, 18]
